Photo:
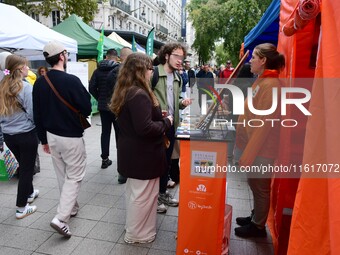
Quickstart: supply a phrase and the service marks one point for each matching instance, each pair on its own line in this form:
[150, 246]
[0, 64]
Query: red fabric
[309, 9]
[226, 73]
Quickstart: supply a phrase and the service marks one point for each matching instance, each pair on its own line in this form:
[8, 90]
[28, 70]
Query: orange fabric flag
[315, 225]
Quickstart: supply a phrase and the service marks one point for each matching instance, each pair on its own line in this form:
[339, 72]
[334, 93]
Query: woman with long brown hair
[18, 129]
[141, 149]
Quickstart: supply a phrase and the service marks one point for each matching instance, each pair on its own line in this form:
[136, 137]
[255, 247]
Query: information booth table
[204, 218]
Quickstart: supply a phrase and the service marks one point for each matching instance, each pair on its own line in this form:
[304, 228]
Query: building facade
[134, 16]
[140, 16]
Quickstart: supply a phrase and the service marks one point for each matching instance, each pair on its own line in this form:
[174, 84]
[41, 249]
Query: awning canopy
[266, 30]
[86, 36]
[26, 36]
[115, 37]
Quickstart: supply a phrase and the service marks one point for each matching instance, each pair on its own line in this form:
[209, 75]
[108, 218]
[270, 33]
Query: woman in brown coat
[141, 151]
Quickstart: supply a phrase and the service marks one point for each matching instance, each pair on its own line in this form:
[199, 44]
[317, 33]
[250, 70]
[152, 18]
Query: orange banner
[202, 194]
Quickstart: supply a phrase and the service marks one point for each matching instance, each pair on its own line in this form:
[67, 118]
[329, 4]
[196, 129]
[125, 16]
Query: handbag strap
[21, 106]
[59, 96]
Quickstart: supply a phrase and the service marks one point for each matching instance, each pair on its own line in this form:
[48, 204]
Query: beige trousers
[141, 208]
[69, 161]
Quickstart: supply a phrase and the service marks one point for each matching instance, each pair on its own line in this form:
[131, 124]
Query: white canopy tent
[115, 37]
[23, 35]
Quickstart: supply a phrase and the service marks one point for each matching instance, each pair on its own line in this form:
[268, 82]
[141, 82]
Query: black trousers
[24, 147]
[163, 182]
[108, 119]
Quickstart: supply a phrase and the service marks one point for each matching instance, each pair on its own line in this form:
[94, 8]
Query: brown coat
[141, 150]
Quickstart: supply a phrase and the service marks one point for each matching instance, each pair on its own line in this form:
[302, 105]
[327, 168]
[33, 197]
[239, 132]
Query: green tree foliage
[83, 8]
[229, 20]
[221, 55]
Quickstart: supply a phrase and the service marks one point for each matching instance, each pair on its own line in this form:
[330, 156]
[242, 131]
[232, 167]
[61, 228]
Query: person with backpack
[166, 85]
[98, 90]
[111, 83]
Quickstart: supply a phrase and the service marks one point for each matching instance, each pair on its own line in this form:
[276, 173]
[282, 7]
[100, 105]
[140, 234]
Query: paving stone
[92, 212]
[104, 200]
[81, 227]
[91, 246]
[169, 224]
[115, 215]
[106, 231]
[165, 240]
[57, 244]
[13, 251]
[127, 249]
[22, 238]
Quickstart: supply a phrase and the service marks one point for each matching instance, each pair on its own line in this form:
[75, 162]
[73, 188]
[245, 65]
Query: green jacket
[161, 93]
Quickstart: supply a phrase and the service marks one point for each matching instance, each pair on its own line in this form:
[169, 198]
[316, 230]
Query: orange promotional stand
[204, 219]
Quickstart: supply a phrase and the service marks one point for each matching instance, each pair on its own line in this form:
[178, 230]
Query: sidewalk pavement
[98, 227]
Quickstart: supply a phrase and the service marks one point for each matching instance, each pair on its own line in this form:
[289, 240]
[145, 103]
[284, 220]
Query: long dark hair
[132, 73]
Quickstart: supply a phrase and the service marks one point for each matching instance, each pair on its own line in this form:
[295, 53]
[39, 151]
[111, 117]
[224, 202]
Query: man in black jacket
[102, 94]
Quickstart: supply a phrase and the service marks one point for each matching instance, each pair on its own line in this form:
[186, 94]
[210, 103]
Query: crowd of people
[142, 102]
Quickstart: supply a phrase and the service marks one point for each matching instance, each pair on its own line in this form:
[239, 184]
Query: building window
[35, 16]
[112, 19]
[55, 18]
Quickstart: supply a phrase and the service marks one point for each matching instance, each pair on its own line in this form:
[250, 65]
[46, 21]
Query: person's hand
[46, 148]
[186, 102]
[171, 119]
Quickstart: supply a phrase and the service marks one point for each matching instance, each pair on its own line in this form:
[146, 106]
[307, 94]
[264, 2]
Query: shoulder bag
[83, 121]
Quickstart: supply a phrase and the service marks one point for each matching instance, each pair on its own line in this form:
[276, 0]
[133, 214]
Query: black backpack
[155, 78]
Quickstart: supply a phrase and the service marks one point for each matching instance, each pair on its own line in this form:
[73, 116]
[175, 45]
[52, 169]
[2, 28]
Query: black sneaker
[121, 179]
[106, 163]
[242, 221]
[250, 230]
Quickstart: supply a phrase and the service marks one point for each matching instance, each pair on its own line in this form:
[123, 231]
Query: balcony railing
[162, 29]
[121, 5]
[162, 5]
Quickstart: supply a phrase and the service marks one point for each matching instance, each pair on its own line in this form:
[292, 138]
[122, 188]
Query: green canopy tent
[86, 36]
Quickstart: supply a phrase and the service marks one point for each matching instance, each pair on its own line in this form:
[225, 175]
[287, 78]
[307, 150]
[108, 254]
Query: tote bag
[8, 164]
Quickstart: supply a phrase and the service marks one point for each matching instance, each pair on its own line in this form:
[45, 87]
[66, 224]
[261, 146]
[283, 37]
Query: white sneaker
[171, 184]
[167, 199]
[29, 209]
[61, 227]
[130, 241]
[161, 208]
[33, 196]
